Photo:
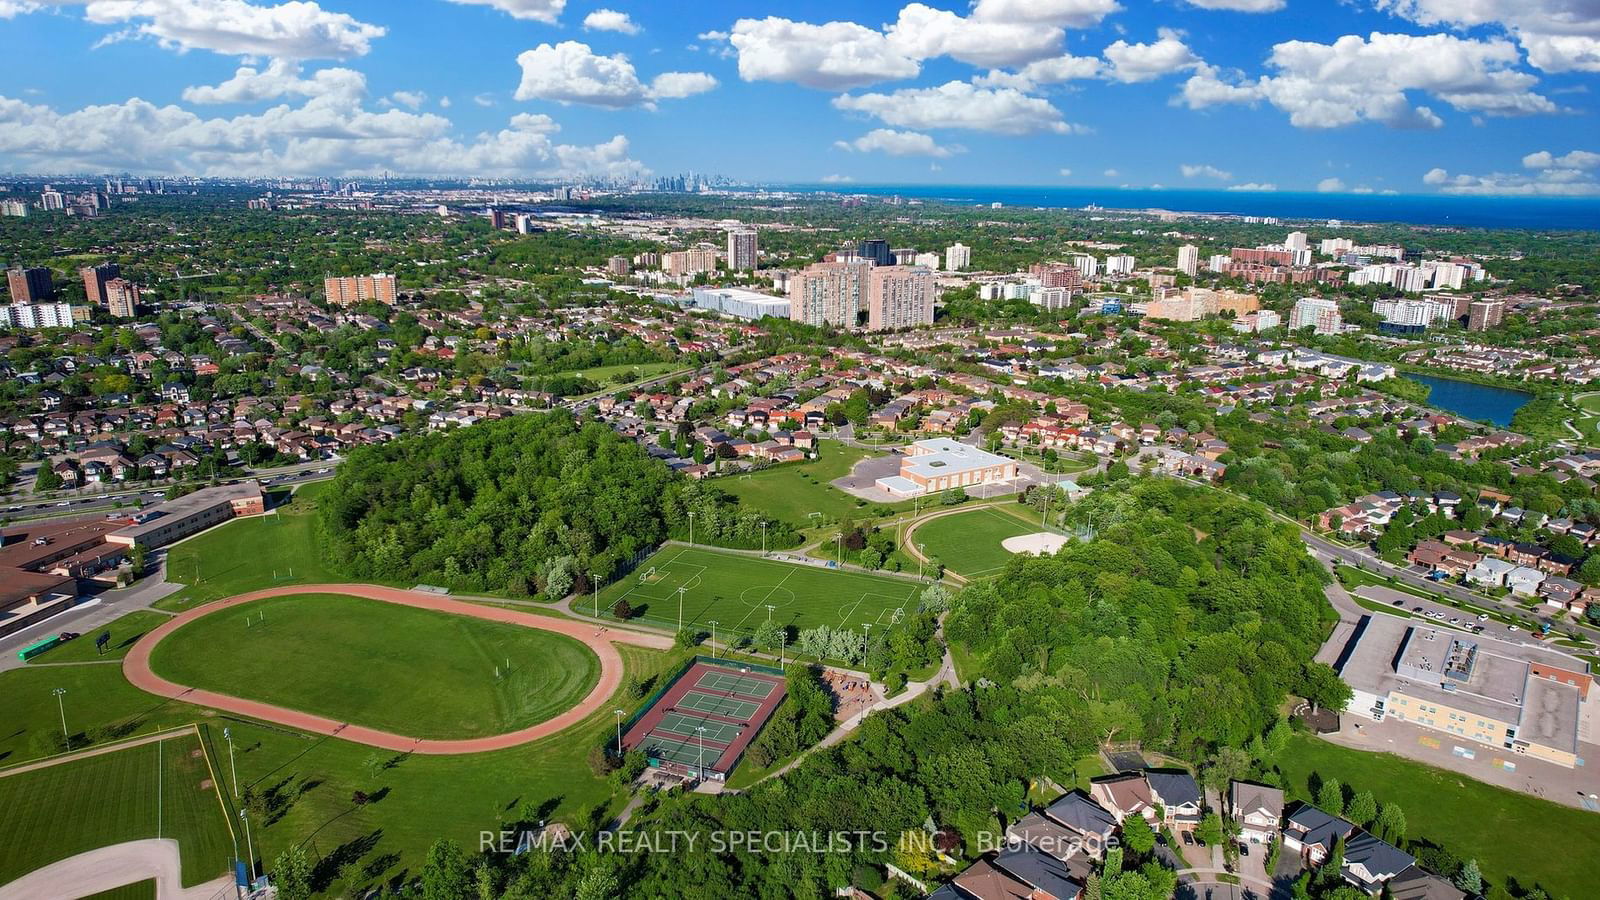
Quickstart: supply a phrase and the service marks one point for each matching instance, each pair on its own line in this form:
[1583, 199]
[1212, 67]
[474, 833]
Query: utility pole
[62, 706]
[227, 735]
[249, 846]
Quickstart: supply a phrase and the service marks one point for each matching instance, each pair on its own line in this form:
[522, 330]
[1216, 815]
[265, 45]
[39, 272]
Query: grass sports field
[968, 543]
[160, 789]
[735, 590]
[249, 554]
[308, 781]
[795, 490]
[409, 671]
[1509, 833]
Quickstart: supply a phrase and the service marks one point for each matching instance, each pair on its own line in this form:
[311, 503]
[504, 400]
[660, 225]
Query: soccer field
[968, 543]
[161, 789]
[736, 590]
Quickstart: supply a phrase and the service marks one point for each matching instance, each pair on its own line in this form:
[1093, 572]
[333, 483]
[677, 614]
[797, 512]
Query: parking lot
[1442, 613]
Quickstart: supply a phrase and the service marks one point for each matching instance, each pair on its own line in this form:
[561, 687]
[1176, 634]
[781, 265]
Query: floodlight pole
[713, 638]
[618, 714]
[770, 608]
[227, 735]
[596, 580]
[680, 609]
[249, 846]
[838, 541]
[702, 731]
[62, 706]
[763, 538]
[691, 529]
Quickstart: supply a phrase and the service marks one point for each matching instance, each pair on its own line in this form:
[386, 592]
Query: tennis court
[683, 725]
[704, 710]
[735, 683]
[731, 707]
[684, 753]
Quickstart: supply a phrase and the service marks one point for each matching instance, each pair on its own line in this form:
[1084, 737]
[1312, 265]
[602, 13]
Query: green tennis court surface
[731, 683]
[742, 593]
[684, 725]
[721, 706]
[684, 753]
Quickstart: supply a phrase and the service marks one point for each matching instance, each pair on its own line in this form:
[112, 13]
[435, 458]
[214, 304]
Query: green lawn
[735, 590]
[156, 790]
[968, 543]
[1509, 833]
[794, 491]
[250, 554]
[139, 890]
[309, 781]
[605, 376]
[410, 671]
[124, 632]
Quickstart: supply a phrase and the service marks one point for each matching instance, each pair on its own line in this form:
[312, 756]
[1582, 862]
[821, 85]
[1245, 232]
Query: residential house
[1258, 809]
[1124, 795]
[1311, 833]
[1179, 797]
[1369, 861]
[1525, 580]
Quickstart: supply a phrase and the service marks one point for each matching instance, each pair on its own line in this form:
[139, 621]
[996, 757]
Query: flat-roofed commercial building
[1528, 700]
[191, 513]
[739, 303]
[940, 464]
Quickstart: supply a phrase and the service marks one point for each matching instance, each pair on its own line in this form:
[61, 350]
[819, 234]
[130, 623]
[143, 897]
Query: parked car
[1483, 617]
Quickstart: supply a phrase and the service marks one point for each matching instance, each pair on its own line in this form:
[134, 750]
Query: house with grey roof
[1093, 823]
[1258, 809]
[1370, 861]
[1311, 833]
[1179, 795]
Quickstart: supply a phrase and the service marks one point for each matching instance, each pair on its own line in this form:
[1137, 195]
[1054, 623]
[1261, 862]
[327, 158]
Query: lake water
[1475, 401]
[1421, 209]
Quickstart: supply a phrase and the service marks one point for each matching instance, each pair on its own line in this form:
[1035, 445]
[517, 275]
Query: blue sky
[1461, 96]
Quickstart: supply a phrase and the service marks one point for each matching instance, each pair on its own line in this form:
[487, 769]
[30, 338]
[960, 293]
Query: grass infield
[968, 543]
[410, 671]
[161, 789]
[735, 590]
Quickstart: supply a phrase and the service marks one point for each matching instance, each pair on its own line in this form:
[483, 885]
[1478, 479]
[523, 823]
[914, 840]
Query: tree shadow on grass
[329, 867]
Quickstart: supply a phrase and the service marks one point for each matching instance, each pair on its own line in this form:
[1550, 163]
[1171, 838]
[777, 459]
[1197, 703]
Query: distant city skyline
[1407, 96]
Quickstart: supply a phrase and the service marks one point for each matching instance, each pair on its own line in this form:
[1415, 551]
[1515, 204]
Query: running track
[136, 667]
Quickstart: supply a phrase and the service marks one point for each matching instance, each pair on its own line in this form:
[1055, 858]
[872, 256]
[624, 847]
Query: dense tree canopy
[506, 505]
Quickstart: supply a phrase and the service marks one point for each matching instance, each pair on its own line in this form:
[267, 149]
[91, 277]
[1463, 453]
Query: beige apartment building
[352, 289]
[899, 297]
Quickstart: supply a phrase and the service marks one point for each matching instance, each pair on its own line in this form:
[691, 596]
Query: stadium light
[227, 735]
[618, 713]
[680, 608]
[702, 731]
[62, 706]
[249, 846]
[713, 638]
[691, 529]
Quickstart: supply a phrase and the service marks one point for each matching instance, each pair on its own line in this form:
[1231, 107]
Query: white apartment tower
[1189, 259]
[957, 256]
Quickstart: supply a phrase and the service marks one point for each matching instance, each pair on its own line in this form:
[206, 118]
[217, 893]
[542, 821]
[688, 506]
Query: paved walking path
[136, 667]
[60, 758]
[110, 867]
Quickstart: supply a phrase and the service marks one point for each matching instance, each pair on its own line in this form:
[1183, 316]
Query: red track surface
[136, 667]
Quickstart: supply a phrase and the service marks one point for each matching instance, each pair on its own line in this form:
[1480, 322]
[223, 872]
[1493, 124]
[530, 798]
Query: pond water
[1475, 401]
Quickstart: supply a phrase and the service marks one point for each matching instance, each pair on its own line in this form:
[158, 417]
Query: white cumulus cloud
[1059, 13]
[959, 104]
[1253, 186]
[297, 29]
[280, 78]
[899, 143]
[1204, 171]
[610, 20]
[1330, 185]
[922, 32]
[832, 56]
[1576, 173]
[570, 72]
[1357, 79]
[1558, 35]
[1147, 62]
[548, 11]
[1245, 6]
[329, 134]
